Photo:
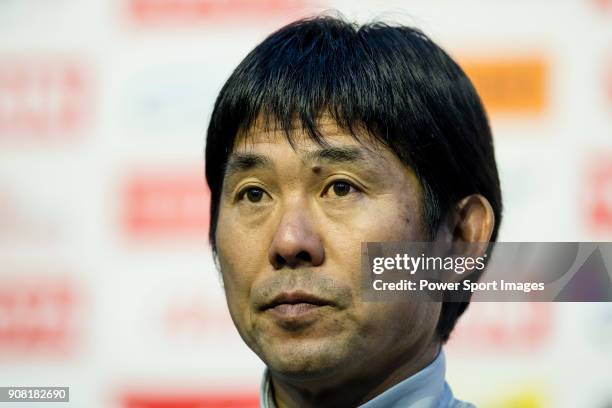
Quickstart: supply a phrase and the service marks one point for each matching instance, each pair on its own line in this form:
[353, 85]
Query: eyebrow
[335, 155]
[241, 162]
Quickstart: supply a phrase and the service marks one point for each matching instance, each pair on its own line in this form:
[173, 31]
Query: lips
[294, 304]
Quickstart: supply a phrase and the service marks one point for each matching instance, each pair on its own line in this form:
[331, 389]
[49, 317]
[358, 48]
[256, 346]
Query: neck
[356, 390]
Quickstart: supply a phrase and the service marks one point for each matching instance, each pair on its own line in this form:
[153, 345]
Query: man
[327, 135]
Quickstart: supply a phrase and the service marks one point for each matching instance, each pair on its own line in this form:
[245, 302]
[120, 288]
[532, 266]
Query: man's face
[289, 235]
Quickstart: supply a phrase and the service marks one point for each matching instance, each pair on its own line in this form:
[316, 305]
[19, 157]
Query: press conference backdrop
[107, 284]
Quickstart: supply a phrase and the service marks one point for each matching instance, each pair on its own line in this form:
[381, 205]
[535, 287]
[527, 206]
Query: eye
[340, 188]
[252, 194]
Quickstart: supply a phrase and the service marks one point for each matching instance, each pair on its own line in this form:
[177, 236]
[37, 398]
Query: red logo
[235, 400]
[185, 11]
[167, 204]
[41, 97]
[36, 316]
[600, 211]
[502, 326]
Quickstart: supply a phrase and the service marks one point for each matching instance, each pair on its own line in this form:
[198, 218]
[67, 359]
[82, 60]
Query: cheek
[344, 247]
[237, 263]
[392, 217]
[400, 327]
[243, 259]
[379, 221]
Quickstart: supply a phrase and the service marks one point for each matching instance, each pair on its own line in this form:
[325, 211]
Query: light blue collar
[425, 389]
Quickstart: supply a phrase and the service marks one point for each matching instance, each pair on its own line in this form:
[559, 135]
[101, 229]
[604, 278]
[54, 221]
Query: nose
[296, 241]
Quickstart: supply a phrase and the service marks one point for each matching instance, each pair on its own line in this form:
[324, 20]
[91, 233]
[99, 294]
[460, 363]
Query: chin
[305, 361]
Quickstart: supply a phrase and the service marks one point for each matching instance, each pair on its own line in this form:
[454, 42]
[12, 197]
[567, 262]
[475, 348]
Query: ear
[466, 232]
[469, 228]
[473, 220]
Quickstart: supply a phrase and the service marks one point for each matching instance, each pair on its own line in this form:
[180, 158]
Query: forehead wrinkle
[349, 155]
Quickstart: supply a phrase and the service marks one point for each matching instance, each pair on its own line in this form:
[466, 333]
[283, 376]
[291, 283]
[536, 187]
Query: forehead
[270, 137]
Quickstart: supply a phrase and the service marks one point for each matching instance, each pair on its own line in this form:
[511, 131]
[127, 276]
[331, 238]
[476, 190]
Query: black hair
[391, 81]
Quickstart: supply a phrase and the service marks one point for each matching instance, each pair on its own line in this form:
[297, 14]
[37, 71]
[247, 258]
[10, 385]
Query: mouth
[292, 305]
